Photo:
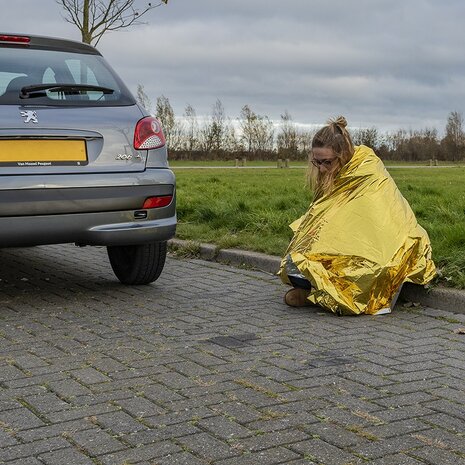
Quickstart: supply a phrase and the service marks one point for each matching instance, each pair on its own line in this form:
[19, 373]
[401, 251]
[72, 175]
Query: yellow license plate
[29, 152]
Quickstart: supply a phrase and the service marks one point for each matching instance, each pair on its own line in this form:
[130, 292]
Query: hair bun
[339, 121]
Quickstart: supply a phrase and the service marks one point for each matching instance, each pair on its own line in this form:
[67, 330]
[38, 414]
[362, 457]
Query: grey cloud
[392, 63]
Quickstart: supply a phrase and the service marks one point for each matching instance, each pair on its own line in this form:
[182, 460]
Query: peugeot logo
[29, 116]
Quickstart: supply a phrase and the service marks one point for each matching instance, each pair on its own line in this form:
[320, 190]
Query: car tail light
[15, 39]
[157, 202]
[148, 134]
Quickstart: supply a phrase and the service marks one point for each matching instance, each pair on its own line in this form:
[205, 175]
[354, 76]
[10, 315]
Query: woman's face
[324, 159]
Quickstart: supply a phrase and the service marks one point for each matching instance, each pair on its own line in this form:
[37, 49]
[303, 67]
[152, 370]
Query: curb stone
[441, 298]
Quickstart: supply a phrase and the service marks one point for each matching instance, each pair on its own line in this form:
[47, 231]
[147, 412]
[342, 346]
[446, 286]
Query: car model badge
[123, 156]
[30, 116]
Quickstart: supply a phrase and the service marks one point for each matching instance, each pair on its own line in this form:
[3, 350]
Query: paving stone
[45, 403]
[68, 456]
[449, 408]
[140, 407]
[26, 461]
[205, 359]
[388, 446]
[96, 442]
[454, 395]
[401, 400]
[268, 457]
[208, 447]
[8, 373]
[320, 451]
[108, 364]
[413, 386]
[32, 449]
[68, 388]
[198, 402]
[161, 394]
[237, 411]
[33, 381]
[190, 369]
[305, 461]
[7, 439]
[339, 436]
[396, 413]
[434, 456]
[149, 452]
[27, 361]
[368, 378]
[256, 398]
[183, 458]
[175, 380]
[346, 417]
[270, 440]
[397, 459]
[413, 375]
[9, 404]
[162, 433]
[398, 428]
[224, 428]
[447, 422]
[20, 419]
[191, 416]
[207, 388]
[50, 431]
[442, 439]
[108, 397]
[316, 381]
[89, 376]
[75, 413]
[119, 422]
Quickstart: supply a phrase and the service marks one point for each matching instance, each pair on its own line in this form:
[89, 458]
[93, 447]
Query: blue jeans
[301, 283]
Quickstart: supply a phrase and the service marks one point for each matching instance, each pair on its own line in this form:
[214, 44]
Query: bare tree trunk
[86, 35]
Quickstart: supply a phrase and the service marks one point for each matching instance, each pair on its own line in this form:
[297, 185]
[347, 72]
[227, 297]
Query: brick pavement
[208, 366]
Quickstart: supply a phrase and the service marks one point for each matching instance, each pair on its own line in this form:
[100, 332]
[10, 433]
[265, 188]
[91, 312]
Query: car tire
[137, 264]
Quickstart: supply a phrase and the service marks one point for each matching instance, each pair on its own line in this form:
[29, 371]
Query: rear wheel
[137, 264]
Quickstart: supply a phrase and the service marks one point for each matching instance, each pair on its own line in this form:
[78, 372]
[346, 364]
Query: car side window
[49, 76]
[83, 74]
[7, 81]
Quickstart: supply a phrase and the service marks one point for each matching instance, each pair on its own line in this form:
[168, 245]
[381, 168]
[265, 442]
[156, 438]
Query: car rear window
[80, 74]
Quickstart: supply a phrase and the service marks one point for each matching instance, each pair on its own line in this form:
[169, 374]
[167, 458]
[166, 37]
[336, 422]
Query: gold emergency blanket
[360, 243]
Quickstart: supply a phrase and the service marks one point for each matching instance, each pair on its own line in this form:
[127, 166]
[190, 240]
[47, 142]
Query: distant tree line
[256, 137]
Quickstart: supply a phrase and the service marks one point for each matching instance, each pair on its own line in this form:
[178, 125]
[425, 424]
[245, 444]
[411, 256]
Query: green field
[251, 209]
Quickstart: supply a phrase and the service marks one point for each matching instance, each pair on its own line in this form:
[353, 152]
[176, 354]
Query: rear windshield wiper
[38, 90]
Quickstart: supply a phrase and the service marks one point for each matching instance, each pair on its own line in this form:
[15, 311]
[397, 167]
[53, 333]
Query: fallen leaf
[459, 330]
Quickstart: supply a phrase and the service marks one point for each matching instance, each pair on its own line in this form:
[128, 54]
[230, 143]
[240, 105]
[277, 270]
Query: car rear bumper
[97, 209]
[108, 228]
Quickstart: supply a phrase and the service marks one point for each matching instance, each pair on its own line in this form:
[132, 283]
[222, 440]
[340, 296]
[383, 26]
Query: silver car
[80, 160]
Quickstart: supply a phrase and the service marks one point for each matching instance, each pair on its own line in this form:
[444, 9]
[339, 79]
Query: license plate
[29, 152]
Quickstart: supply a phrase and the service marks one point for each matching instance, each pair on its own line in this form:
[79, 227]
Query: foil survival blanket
[360, 243]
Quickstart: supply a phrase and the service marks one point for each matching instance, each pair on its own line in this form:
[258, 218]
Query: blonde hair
[336, 137]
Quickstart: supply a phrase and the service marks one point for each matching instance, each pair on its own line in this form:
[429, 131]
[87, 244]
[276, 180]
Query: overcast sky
[385, 63]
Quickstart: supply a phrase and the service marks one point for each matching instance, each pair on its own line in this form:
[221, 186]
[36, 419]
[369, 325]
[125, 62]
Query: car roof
[47, 43]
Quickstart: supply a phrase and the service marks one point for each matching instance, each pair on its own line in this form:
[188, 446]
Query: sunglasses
[326, 162]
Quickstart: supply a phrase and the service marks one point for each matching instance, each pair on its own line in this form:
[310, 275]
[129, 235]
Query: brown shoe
[297, 297]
